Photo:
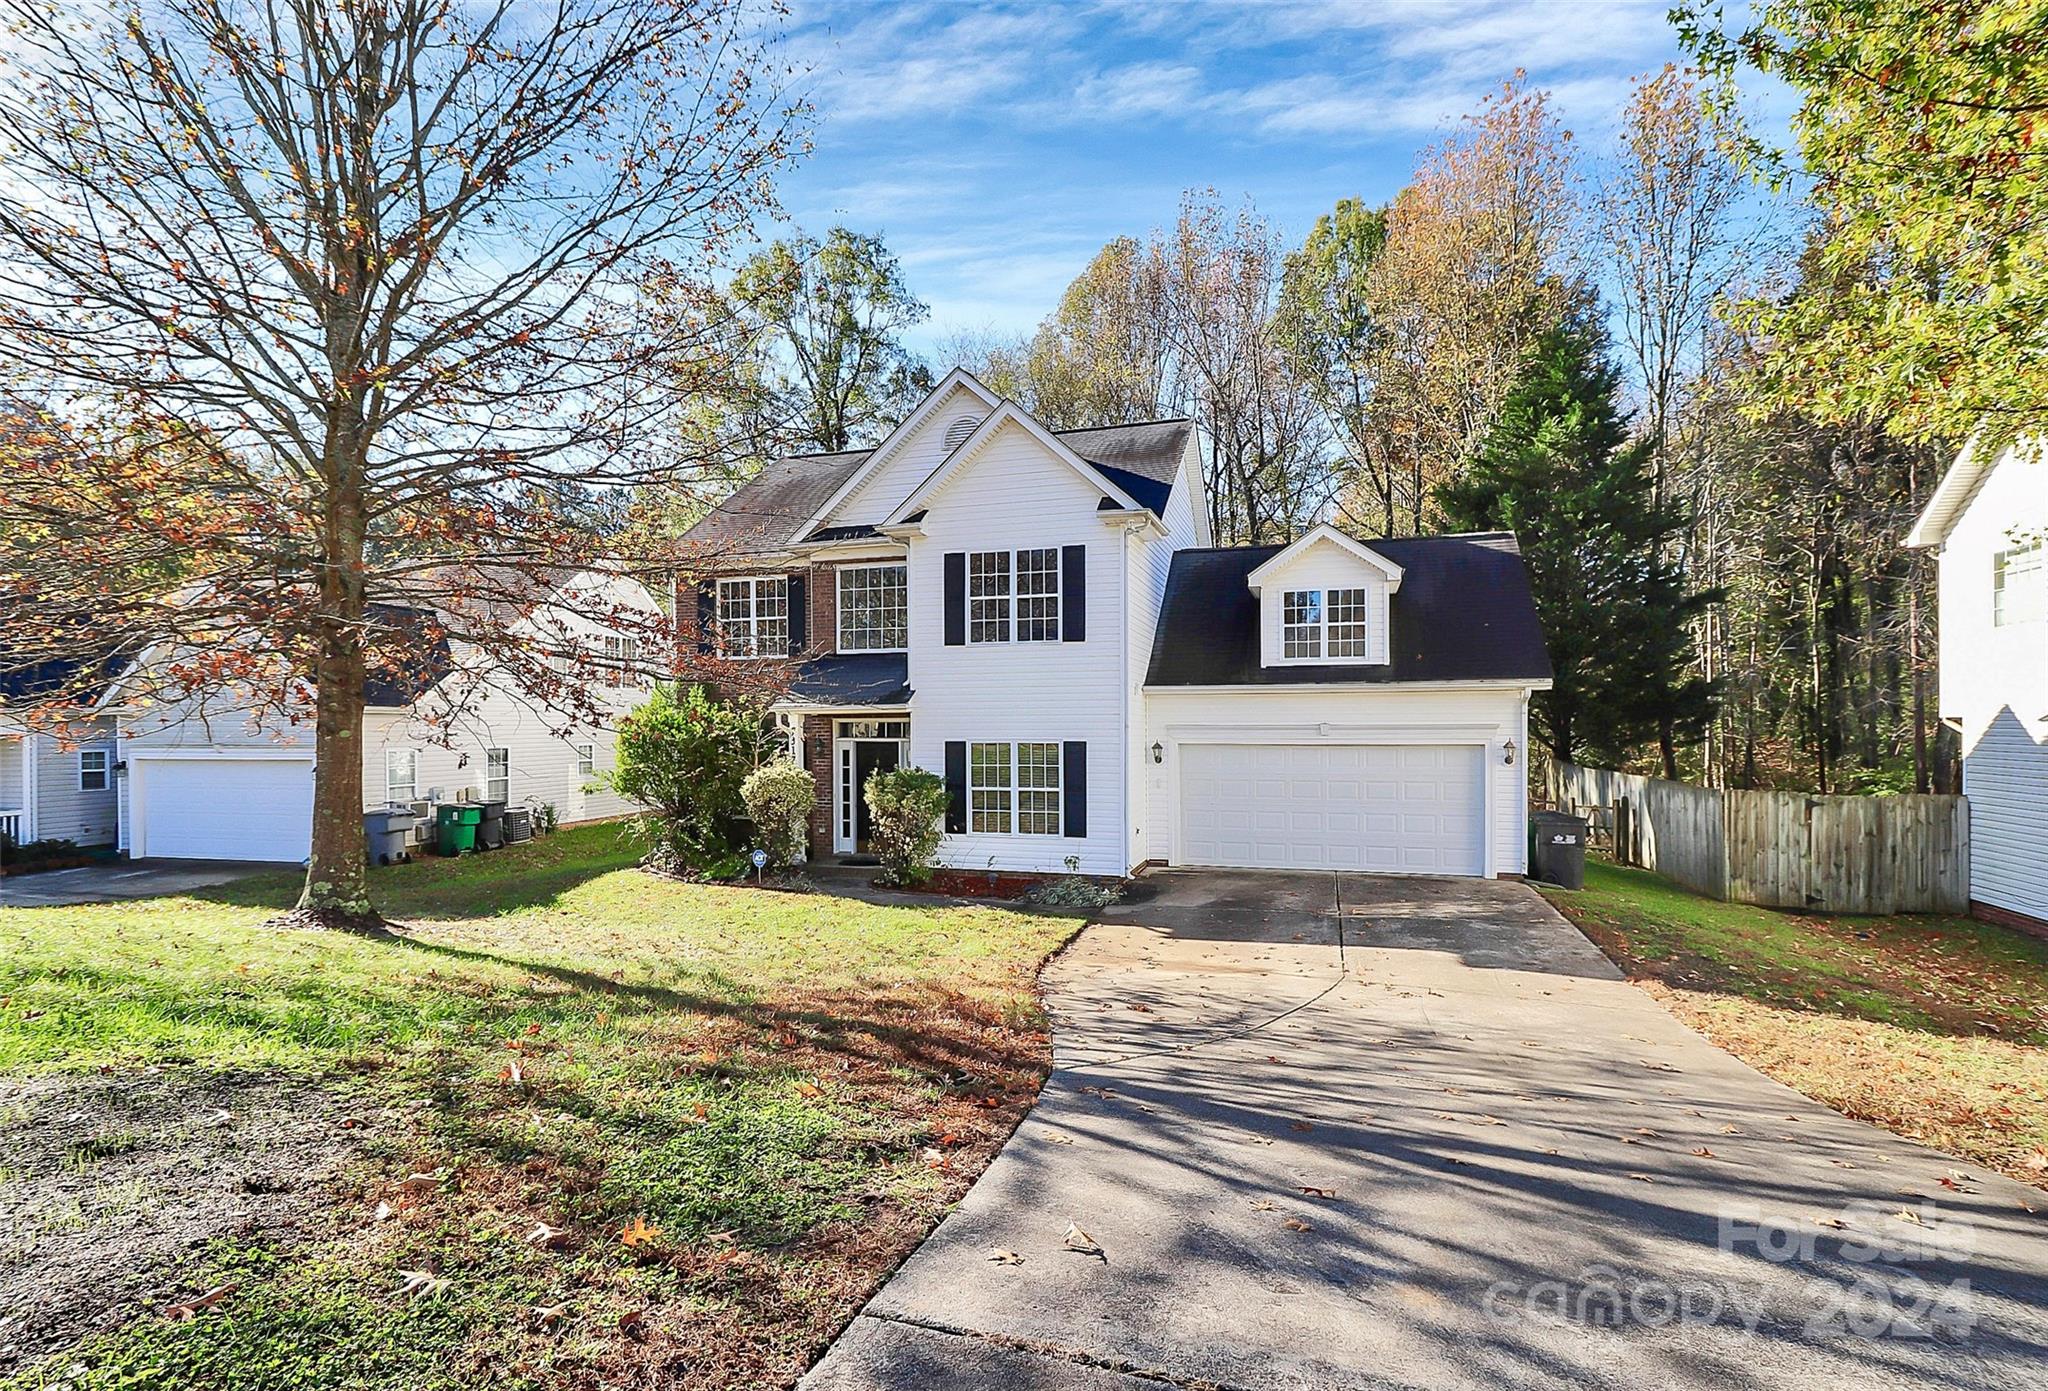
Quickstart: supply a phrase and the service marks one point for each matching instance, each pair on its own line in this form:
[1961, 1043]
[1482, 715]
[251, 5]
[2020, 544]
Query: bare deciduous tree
[344, 305]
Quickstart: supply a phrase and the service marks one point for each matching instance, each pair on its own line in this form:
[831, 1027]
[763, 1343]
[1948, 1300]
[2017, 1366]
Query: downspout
[30, 760]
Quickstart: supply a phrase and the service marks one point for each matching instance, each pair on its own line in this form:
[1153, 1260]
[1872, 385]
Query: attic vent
[958, 431]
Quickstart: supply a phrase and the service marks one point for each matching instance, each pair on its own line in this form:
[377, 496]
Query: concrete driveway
[1342, 1131]
[126, 879]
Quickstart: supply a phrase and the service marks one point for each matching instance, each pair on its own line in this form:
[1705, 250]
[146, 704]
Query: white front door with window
[1375, 808]
[860, 748]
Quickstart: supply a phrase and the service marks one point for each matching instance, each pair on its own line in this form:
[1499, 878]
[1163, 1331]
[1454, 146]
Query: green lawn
[1936, 1027]
[786, 1088]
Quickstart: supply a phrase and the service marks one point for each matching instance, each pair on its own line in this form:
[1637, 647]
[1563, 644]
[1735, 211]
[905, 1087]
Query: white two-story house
[1988, 520]
[1040, 618]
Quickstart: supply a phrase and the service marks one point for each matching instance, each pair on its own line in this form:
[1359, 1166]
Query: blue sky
[998, 146]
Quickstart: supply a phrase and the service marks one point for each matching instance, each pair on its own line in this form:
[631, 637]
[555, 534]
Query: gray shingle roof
[1142, 459]
[1463, 613]
[776, 501]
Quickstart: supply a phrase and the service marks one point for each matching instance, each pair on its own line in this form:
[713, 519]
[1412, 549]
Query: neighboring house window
[988, 596]
[92, 770]
[586, 759]
[1301, 623]
[2019, 586]
[621, 661]
[1038, 595]
[874, 608]
[1014, 785]
[1317, 624]
[401, 775]
[497, 775]
[753, 616]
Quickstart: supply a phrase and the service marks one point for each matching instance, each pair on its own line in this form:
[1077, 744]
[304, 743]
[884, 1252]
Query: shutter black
[956, 786]
[1073, 594]
[707, 613]
[799, 614]
[1074, 785]
[956, 598]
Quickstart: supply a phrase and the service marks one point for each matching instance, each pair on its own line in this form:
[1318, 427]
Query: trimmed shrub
[907, 805]
[779, 797]
[684, 756]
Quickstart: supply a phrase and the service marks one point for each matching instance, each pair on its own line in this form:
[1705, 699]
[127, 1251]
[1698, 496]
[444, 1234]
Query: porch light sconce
[1158, 754]
[1507, 751]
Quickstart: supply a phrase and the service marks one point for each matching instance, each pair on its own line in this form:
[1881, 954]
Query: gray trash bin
[387, 835]
[1558, 852]
[490, 834]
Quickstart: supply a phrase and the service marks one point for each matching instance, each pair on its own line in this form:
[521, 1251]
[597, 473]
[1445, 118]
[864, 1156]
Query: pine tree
[1557, 468]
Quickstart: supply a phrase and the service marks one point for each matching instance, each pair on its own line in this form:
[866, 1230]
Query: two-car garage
[1376, 808]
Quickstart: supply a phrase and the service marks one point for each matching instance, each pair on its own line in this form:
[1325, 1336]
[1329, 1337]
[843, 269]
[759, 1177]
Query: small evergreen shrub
[907, 805]
[684, 756]
[779, 797]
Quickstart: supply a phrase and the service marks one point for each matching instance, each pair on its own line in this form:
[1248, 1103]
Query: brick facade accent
[818, 758]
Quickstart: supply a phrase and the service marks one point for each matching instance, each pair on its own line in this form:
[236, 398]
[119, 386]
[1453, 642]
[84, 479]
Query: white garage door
[1388, 809]
[223, 808]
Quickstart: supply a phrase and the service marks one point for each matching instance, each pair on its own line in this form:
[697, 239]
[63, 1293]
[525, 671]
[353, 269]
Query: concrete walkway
[122, 880]
[1337, 1131]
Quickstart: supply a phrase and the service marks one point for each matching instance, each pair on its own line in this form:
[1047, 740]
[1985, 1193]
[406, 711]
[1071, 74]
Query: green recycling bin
[456, 828]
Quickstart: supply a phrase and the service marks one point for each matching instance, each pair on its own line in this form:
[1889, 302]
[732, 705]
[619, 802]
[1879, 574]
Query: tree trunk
[337, 893]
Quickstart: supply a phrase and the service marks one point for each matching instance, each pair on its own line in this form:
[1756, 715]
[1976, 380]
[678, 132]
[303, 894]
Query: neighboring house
[56, 782]
[1989, 521]
[1039, 617]
[212, 777]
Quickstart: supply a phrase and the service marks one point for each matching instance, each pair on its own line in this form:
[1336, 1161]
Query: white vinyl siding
[66, 807]
[1324, 605]
[1012, 693]
[874, 607]
[2005, 776]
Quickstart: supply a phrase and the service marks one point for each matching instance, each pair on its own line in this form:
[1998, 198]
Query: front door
[869, 756]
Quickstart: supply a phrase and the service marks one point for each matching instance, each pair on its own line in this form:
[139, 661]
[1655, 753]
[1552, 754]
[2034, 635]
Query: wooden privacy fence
[1906, 854]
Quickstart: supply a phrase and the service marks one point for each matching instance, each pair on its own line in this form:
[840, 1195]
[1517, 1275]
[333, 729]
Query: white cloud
[1140, 89]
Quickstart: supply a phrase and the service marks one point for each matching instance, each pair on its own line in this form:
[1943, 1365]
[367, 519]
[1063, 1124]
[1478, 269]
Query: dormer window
[959, 430]
[1318, 625]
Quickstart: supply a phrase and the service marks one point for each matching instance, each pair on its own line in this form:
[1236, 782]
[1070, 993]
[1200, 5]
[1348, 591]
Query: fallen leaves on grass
[638, 1233]
[178, 1313]
[546, 1237]
[422, 1284]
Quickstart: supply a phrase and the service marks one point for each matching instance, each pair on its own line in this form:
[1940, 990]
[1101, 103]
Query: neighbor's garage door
[223, 808]
[1394, 809]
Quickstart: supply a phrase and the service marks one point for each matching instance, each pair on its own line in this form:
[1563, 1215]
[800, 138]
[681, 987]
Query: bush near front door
[685, 757]
[907, 805]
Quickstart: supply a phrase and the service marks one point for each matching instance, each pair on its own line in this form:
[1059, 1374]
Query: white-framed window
[95, 770]
[401, 775]
[1323, 625]
[988, 596]
[1014, 788]
[874, 607]
[1301, 624]
[1014, 593]
[2019, 586]
[586, 759]
[621, 660]
[1038, 595]
[1345, 611]
[497, 775]
[753, 615]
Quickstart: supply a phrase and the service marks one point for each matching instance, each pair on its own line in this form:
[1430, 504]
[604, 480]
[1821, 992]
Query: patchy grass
[1935, 1027]
[777, 1093]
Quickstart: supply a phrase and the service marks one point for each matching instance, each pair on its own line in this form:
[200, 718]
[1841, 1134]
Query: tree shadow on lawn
[1930, 974]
